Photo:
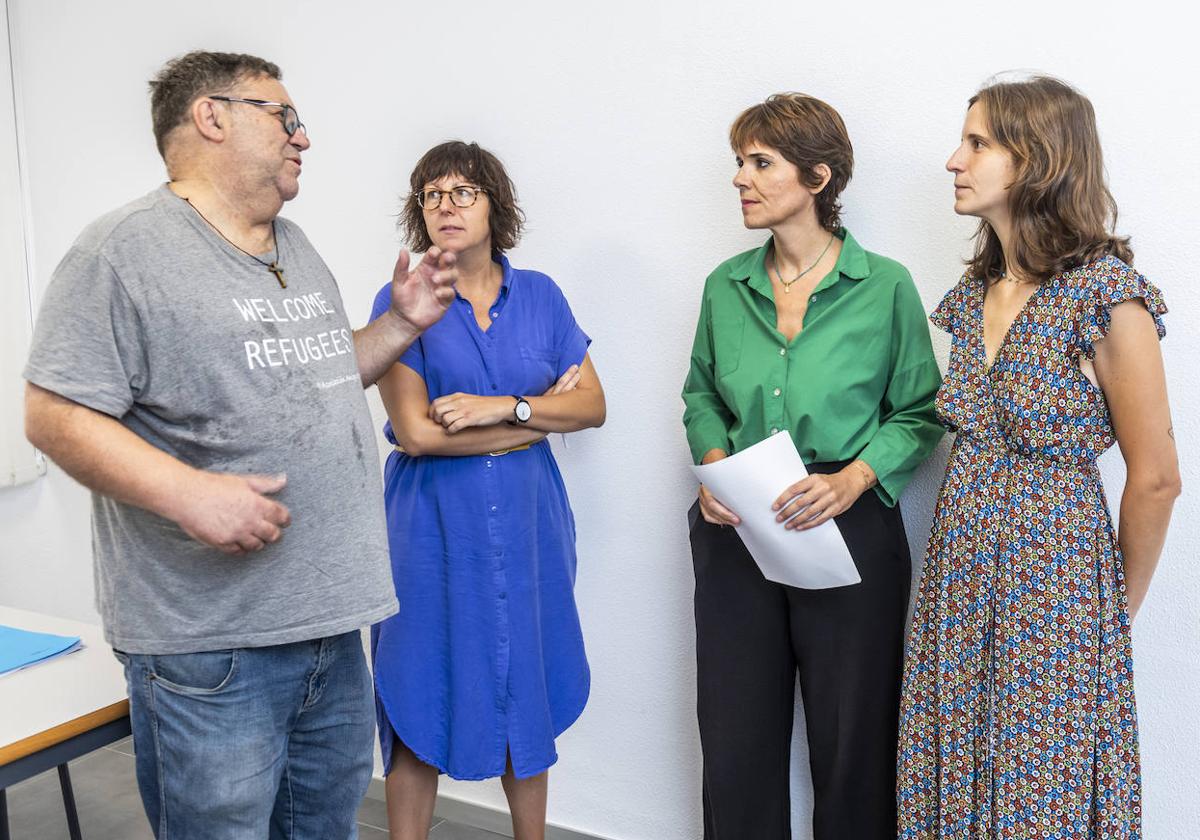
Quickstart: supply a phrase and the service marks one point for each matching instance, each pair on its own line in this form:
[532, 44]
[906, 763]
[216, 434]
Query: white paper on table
[748, 483]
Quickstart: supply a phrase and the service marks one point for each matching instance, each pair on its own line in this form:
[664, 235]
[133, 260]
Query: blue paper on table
[19, 648]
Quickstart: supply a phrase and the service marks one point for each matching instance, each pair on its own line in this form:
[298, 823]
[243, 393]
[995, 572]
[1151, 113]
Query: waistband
[400, 449]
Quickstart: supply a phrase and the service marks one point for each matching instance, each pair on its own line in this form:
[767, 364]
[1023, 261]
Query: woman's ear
[821, 175]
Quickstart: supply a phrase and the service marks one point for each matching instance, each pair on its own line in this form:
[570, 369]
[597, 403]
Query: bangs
[450, 159]
[755, 125]
[481, 168]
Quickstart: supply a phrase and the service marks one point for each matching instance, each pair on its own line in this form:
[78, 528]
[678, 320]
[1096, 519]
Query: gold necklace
[1016, 281]
[273, 266]
[787, 284]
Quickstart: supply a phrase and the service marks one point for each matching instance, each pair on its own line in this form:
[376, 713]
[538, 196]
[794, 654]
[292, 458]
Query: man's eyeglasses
[460, 196]
[288, 116]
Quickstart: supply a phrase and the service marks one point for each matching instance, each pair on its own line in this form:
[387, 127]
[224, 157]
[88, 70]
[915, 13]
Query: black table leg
[64, 779]
[3, 815]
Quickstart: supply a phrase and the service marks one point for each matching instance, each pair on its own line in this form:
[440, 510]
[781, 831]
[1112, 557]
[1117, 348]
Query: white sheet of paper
[748, 483]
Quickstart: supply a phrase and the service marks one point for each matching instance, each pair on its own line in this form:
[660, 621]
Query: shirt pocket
[540, 365]
[727, 343]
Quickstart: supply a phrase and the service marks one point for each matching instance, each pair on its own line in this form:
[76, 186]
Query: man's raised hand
[421, 296]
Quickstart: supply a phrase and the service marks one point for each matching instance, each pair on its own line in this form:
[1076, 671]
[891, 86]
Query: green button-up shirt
[857, 382]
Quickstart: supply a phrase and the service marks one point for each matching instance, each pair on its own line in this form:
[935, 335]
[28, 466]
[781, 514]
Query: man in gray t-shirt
[193, 365]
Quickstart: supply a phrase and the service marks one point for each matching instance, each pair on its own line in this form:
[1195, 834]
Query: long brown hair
[1063, 215]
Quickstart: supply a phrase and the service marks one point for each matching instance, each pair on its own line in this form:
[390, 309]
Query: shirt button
[493, 508]
[782, 351]
[495, 315]
[812, 299]
[777, 392]
[774, 430]
[503, 595]
[503, 640]
[489, 463]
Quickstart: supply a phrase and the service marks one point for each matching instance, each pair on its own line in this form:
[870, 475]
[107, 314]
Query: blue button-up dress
[485, 657]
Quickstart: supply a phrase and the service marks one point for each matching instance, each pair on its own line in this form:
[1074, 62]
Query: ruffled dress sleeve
[951, 311]
[1109, 282]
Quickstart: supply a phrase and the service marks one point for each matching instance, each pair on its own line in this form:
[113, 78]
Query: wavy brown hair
[1063, 215]
[807, 132]
[481, 168]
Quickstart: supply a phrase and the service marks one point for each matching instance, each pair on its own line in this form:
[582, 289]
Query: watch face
[523, 411]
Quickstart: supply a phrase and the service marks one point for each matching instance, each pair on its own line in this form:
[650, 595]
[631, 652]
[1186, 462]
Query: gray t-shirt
[154, 319]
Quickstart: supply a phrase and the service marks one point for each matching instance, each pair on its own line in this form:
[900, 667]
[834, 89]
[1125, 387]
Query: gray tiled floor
[110, 809]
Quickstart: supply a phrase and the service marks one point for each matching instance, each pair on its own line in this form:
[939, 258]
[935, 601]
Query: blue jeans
[254, 742]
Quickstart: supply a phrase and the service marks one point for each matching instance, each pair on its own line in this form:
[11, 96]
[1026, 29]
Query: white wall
[19, 462]
[612, 119]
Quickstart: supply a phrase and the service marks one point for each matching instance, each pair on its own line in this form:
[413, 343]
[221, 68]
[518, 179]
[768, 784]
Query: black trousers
[754, 636]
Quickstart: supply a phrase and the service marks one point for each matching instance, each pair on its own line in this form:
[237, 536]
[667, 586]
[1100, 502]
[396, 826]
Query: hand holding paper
[818, 498]
[749, 483]
[711, 508]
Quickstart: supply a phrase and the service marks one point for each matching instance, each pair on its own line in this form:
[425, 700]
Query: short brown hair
[807, 132]
[1063, 215]
[199, 73]
[482, 168]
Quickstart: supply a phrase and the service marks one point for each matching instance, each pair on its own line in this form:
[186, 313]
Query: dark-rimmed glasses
[288, 116]
[460, 196]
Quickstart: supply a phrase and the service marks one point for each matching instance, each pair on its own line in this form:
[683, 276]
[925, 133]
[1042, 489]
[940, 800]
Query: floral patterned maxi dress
[1018, 717]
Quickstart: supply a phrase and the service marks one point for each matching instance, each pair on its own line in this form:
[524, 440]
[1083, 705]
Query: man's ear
[212, 122]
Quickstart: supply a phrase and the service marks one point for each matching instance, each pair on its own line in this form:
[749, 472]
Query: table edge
[57, 734]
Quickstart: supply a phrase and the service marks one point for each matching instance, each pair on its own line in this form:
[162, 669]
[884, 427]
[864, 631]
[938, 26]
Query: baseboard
[481, 816]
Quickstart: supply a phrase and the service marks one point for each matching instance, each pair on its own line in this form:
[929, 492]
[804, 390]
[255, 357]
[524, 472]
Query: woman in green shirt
[812, 335]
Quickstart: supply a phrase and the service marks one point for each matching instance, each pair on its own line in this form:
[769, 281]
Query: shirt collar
[851, 264]
[506, 278]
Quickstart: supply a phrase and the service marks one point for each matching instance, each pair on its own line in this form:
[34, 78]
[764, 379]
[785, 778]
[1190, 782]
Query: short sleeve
[949, 312]
[414, 356]
[1109, 282]
[383, 299]
[88, 343]
[570, 340]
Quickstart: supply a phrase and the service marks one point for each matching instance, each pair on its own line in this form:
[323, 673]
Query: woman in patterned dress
[1018, 716]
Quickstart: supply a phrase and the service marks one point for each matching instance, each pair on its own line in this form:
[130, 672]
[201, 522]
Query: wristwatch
[521, 410]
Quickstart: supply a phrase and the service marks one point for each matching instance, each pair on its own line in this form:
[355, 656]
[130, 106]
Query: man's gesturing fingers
[421, 296]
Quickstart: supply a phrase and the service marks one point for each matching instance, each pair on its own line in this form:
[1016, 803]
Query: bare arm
[226, 511]
[1129, 368]
[581, 408]
[419, 298]
[407, 402]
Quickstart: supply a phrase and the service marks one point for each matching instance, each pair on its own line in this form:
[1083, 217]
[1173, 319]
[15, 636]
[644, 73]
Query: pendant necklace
[273, 266]
[787, 284]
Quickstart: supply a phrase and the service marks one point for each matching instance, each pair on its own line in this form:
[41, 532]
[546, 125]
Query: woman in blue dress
[484, 664]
